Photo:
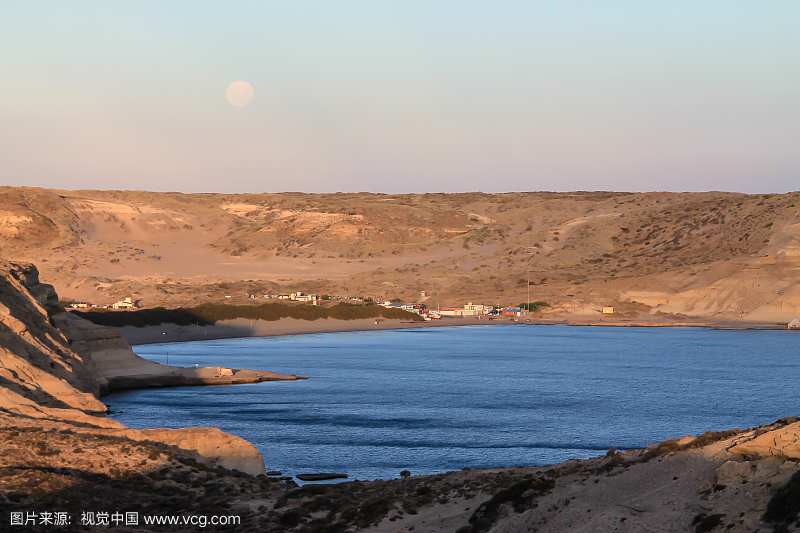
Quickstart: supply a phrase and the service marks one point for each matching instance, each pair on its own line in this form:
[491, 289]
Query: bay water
[438, 399]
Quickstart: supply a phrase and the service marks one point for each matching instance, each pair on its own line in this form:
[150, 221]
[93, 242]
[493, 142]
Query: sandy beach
[240, 327]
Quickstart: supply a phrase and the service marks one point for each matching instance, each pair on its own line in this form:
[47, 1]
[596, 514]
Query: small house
[794, 324]
[608, 310]
[477, 309]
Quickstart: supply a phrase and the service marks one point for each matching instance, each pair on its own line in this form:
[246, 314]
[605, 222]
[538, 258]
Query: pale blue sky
[401, 96]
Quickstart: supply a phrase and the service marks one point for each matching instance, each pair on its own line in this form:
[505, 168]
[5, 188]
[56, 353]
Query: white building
[794, 324]
[126, 303]
[477, 309]
[411, 308]
[454, 311]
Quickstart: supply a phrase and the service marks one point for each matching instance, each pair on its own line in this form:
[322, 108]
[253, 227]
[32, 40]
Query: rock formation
[51, 377]
[37, 362]
[783, 443]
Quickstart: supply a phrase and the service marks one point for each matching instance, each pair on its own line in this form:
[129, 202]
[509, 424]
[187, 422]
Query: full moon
[239, 93]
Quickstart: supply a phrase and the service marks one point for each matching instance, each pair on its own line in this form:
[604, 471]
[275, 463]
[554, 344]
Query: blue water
[433, 400]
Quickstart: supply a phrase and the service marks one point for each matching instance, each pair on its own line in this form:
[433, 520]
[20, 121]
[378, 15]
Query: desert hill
[718, 255]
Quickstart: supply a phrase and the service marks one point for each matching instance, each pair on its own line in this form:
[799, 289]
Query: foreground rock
[695, 484]
[81, 475]
[688, 485]
[783, 444]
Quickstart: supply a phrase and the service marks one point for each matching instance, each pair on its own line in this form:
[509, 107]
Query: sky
[398, 97]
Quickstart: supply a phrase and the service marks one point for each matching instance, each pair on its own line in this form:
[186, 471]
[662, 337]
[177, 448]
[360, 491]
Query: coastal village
[469, 310]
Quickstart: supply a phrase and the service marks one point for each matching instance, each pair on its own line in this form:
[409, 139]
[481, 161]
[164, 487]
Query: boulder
[783, 442]
[210, 445]
[45, 294]
[26, 273]
[732, 472]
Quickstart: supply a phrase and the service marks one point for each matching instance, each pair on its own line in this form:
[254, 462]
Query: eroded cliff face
[51, 381]
[36, 362]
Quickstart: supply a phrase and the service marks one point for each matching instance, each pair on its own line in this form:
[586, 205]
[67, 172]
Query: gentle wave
[447, 398]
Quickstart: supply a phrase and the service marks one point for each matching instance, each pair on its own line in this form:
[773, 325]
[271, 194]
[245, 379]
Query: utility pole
[528, 301]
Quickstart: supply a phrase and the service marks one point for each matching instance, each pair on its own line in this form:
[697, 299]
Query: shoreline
[245, 328]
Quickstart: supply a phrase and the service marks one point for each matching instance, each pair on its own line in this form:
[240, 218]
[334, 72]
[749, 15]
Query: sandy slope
[717, 255]
[625, 492]
[727, 481]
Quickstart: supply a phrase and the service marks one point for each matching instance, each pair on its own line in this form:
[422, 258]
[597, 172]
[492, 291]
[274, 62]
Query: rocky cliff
[38, 366]
[52, 371]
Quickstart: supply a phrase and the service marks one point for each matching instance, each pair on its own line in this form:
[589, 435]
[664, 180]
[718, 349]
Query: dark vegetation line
[209, 314]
